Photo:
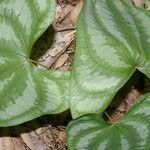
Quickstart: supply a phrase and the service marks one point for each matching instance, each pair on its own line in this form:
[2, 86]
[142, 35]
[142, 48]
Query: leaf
[113, 41]
[131, 133]
[25, 91]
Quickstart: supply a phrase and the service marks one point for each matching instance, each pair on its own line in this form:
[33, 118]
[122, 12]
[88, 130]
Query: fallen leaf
[75, 12]
[138, 3]
[61, 60]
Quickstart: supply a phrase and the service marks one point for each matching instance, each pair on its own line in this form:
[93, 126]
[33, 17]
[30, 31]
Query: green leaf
[25, 91]
[131, 133]
[113, 41]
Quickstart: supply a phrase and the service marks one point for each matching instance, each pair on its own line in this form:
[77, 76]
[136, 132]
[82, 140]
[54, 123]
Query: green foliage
[131, 133]
[113, 41]
[25, 91]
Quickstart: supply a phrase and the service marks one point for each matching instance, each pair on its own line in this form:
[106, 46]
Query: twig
[109, 117]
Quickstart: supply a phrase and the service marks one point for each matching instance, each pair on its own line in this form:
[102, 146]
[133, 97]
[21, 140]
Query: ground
[49, 132]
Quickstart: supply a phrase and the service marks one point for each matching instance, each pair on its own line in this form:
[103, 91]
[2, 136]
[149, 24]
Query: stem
[109, 117]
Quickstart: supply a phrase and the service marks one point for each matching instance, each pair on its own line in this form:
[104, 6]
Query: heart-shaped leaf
[131, 133]
[25, 91]
[113, 41]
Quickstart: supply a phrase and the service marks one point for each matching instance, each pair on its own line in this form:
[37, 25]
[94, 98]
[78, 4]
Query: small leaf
[25, 91]
[131, 133]
[113, 40]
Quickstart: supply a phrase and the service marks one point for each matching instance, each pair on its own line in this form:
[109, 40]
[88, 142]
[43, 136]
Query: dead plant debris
[43, 133]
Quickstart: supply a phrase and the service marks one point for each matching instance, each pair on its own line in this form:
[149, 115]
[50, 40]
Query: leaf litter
[49, 132]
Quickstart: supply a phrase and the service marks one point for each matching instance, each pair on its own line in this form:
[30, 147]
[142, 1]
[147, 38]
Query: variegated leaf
[25, 91]
[131, 133]
[113, 41]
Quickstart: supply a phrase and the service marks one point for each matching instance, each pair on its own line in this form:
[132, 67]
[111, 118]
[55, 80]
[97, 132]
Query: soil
[49, 132]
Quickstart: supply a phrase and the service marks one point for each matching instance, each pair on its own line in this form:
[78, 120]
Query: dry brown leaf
[10, 143]
[138, 3]
[123, 105]
[6, 144]
[63, 40]
[52, 137]
[62, 12]
[75, 12]
[64, 33]
[33, 141]
[45, 135]
[18, 144]
[65, 68]
[72, 2]
[61, 60]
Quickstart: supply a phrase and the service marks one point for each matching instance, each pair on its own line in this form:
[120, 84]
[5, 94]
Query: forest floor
[56, 49]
